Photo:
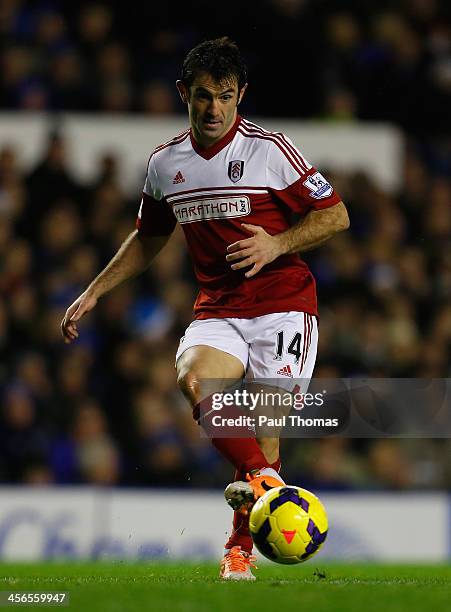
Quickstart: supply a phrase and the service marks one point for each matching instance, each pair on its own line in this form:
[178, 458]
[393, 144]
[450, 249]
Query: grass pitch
[316, 587]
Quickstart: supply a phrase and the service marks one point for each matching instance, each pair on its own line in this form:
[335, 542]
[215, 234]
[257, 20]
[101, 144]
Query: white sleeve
[155, 216]
[295, 181]
[151, 187]
[285, 163]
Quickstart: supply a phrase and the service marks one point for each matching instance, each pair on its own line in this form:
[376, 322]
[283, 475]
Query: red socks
[240, 535]
[243, 453]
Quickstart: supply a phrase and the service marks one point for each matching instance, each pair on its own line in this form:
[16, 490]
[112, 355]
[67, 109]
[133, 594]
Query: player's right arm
[154, 226]
[133, 257]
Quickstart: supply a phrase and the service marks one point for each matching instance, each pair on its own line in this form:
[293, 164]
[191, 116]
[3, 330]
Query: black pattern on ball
[317, 539]
[261, 542]
[285, 495]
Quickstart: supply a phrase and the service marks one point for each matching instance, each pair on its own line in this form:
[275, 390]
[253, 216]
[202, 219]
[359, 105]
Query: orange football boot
[236, 565]
[241, 496]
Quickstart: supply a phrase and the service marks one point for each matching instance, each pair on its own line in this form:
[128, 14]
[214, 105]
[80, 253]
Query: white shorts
[280, 345]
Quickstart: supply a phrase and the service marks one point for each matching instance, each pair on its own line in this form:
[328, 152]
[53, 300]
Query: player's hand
[260, 249]
[74, 313]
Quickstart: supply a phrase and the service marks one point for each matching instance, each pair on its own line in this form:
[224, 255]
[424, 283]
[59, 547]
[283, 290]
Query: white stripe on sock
[272, 472]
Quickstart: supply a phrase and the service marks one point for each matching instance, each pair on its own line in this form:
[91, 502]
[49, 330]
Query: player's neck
[206, 143]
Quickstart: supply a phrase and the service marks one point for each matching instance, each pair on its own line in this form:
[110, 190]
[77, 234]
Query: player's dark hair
[220, 58]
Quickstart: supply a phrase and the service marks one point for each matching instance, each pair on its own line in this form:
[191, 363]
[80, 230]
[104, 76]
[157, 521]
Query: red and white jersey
[249, 176]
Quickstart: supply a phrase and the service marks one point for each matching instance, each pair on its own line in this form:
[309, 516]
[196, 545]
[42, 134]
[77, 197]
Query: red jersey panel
[250, 176]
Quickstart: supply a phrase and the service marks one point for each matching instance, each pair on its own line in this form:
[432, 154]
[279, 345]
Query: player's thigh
[209, 362]
[284, 348]
[211, 354]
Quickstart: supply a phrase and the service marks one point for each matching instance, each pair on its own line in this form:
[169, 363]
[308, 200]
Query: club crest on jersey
[318, 186]
[236, 169]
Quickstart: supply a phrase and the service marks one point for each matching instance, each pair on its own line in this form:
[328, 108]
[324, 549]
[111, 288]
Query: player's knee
[188, 383]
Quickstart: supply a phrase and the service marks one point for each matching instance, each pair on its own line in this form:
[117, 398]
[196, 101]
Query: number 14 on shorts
[295, 346]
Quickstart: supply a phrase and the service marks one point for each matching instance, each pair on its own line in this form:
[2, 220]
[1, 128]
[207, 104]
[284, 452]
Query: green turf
[313, 586]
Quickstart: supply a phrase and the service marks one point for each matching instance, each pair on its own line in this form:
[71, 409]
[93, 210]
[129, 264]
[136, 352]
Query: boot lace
[238, 560]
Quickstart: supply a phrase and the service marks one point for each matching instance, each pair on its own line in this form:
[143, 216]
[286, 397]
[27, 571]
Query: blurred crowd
[346, 59]
[106, 410]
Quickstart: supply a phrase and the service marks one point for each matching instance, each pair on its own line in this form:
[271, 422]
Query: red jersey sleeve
[294, 181]
[155, 217]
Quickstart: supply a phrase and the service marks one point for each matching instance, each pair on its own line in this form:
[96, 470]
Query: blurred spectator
[88, 452]
[48, 182]
[340, 105]
[23, 439]
[158, 98]
[389, 466]
[94, 27]
[66, 81]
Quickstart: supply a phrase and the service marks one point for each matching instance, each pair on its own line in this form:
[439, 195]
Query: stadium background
[106, 411]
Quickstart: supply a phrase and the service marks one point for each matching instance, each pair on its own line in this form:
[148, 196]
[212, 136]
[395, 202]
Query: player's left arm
[262, 248]
[304, 190]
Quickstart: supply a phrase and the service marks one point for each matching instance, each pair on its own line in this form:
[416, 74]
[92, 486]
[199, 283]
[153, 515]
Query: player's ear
[183, 91]
[241, 93]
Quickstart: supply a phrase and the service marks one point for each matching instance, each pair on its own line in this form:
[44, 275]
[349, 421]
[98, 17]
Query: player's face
[212, 107]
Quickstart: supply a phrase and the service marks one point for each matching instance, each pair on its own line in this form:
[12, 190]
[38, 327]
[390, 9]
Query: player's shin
[243, 451]
[240, 535]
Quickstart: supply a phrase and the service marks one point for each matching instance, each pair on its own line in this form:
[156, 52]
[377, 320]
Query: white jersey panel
[255, 158]
[216, 174]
